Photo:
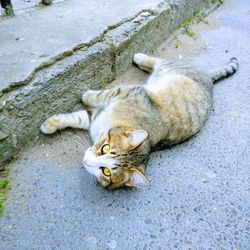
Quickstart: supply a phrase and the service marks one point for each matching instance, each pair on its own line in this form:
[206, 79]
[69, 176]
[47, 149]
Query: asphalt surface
[199, 193]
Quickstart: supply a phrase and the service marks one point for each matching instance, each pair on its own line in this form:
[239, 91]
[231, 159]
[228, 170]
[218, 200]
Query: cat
[126, 123]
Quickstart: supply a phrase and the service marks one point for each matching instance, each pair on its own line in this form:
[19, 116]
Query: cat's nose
[86, 162]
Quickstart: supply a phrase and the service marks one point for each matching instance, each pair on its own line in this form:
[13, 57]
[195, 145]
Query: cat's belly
[184, 107]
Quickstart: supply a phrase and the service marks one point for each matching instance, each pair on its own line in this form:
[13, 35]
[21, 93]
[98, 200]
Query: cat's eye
[105, 149]
[106, 171]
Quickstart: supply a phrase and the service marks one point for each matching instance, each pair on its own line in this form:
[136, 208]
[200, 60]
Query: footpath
[198, 196]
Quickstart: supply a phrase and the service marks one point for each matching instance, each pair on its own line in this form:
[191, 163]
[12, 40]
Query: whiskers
[82, 140]
[81, 145]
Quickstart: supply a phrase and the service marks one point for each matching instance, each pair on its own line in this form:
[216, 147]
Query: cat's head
[119, 158]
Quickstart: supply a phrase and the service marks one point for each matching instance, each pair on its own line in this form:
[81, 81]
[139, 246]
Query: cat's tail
[225, 71]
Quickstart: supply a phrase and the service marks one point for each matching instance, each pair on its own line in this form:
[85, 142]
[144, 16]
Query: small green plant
[197, 14]
[186, 23]
[199, 17]
[221, 1]
[190, 33]
[176, 41]
[189, 21]
[205, 20]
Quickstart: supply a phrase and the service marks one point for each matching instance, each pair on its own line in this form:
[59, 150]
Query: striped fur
[225, 71]
[133, 120]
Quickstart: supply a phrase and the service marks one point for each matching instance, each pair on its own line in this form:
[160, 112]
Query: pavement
[49, 55]
[71, 23]
[199, 192]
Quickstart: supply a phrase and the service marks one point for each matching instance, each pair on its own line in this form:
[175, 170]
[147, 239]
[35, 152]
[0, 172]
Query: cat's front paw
[86, 95]
[87, 99]
[51, 125]
[139, 58]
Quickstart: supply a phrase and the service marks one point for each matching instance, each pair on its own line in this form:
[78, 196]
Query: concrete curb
[56, 86]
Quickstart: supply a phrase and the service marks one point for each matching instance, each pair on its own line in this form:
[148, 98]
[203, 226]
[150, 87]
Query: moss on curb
[4, 185]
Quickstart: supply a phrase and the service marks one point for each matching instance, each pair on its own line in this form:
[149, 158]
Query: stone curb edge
[56, 87]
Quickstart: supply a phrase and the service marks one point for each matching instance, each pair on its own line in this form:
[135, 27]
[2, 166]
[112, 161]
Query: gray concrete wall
[55, 86]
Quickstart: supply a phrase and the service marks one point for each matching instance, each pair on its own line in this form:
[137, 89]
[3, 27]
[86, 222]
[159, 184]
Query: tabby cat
[127, 122]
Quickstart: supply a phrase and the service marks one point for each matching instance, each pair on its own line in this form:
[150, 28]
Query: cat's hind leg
[78, 119]
[146, 62]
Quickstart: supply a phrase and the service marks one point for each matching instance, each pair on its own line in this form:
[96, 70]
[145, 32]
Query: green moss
[3, 198]
[177, 45]
[4, 184]
[169, 11]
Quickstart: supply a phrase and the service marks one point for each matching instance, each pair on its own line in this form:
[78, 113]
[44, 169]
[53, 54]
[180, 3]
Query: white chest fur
[102, 123]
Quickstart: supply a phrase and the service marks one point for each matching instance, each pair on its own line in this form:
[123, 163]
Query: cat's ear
[137, 179]
[136, 137]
